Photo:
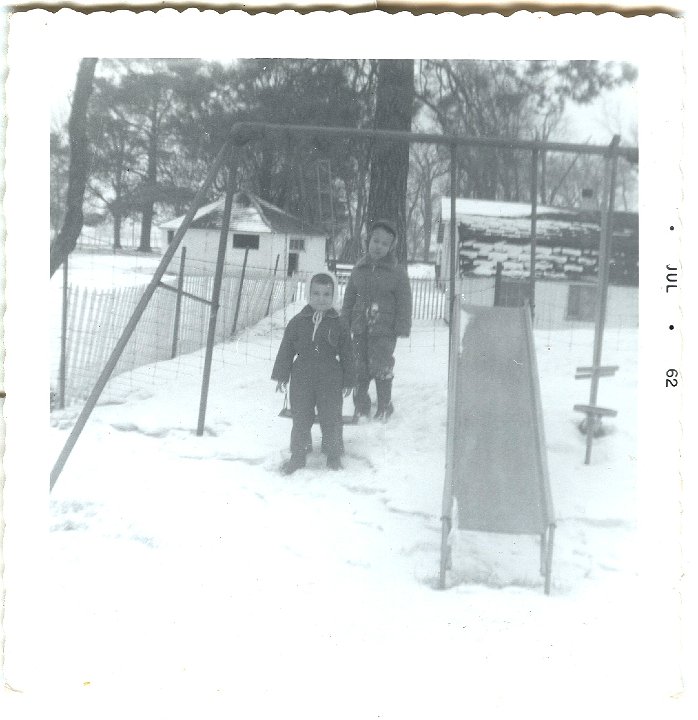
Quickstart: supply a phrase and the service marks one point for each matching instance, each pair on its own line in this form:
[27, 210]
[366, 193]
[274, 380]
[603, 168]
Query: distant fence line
[428, 296]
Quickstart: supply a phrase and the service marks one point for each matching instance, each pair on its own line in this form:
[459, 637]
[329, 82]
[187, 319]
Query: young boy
[378, 309]
[315, 355]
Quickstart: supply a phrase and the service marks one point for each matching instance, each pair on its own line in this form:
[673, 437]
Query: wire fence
[96, 316]
[96, 319]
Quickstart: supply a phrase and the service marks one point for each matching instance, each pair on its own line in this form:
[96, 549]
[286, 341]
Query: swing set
[242, 134]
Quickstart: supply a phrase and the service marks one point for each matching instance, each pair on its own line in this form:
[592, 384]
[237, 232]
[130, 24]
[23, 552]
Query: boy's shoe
[296, 462]
[383, 414]
[362, 401]
[384, 406]
[333, 463]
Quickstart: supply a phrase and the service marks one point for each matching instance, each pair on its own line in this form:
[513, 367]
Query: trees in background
[508, 100]
[64, 242]
[154, 127]
[60, 160]
[286, 171]
[390, 160]
[429, 166]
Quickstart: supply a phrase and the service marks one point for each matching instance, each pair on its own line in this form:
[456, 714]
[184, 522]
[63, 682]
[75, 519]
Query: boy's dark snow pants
[308, 391]
[373, 356]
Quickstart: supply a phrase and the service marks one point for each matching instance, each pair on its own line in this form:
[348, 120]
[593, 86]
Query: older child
[378, 309]
[315, 355]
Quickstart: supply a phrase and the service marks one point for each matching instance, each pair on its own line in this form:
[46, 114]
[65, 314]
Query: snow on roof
[249, 213]
[514, 228]
[495, 220]
[495, 208]
[202, 211]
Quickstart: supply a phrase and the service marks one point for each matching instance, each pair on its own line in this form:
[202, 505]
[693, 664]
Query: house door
[292, 263]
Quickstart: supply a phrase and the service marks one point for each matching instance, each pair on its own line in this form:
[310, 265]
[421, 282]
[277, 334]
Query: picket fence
[428, 296]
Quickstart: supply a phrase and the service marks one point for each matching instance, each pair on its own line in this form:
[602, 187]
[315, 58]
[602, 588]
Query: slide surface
[500, 471]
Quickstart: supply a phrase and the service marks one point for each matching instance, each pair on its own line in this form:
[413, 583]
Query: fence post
[178, 304]
[498, 284]
[273, 285]
[242, 282]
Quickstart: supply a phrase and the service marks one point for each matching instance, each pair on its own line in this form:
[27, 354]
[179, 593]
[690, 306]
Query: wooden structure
[258, 231]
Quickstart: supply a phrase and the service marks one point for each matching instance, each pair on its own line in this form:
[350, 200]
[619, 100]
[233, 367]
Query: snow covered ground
[187, 572]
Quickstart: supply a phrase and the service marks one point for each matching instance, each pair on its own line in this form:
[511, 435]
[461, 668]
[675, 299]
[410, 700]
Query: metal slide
[500, 474]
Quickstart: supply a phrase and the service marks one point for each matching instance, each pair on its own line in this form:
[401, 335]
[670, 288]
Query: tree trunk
[117, 230]
[427, 215]
[66, 239]
[151, 184]
[390, 160]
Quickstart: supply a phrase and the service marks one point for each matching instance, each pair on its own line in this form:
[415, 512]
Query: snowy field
[188, 571]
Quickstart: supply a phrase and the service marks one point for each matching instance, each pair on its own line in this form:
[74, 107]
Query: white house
[273, 238]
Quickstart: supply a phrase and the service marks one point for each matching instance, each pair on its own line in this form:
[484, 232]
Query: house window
[245, 242]
[170, 236]
[296, 243]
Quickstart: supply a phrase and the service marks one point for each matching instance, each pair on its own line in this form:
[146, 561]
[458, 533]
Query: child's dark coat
[318, 370]
[378, 308]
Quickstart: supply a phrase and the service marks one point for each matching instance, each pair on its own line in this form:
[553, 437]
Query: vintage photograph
[343, 372]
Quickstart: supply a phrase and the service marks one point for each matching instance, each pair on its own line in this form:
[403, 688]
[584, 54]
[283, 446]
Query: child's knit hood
[323, 273]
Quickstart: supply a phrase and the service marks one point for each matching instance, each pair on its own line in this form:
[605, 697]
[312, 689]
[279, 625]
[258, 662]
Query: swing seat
[346, 419]
[287, 413]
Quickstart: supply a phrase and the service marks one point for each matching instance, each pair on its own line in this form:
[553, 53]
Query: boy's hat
[386, 225]
[324, 278]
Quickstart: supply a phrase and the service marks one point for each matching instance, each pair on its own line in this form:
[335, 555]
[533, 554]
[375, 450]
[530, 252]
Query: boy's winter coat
[318, 368]
[378, 298]
[325, 359]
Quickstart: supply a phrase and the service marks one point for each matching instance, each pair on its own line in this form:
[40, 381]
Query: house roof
[494, 208]
[495, 221]
[249, 213]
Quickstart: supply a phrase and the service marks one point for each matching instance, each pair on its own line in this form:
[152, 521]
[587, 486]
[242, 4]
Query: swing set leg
[445, 551]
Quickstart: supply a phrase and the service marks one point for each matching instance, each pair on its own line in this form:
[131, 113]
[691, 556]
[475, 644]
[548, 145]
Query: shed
[269, 233]
[567, 240]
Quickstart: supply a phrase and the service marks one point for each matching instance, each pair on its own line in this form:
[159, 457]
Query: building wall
[557, 258]
[313, 258]
[552, 298]
[202, 251]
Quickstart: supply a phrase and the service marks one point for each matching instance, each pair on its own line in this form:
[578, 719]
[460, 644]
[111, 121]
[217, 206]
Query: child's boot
[325, 449]
[384, 407]
[333, 462]
[362, 400]
[295, 462]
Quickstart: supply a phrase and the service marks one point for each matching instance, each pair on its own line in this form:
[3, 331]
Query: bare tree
[67, 237]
